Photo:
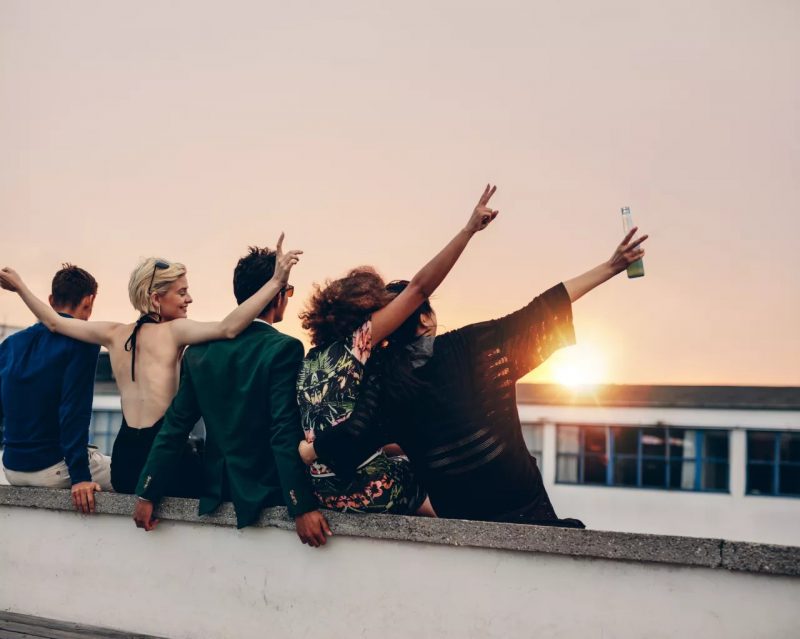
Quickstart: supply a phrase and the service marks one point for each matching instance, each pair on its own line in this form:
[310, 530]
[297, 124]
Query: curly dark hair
[251, 273]
[71, 284]
[339, 307]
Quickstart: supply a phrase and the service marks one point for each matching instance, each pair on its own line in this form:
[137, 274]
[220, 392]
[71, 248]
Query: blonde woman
[145, 355]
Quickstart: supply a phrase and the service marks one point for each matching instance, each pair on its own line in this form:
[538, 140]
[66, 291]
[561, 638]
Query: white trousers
[57, 476]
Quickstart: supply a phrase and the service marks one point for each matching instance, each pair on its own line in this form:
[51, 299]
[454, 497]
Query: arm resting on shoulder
[85, 331]
[187, 332]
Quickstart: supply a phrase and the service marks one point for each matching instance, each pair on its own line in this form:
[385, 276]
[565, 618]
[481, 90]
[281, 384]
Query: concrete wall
[733, 515]
[192, 579]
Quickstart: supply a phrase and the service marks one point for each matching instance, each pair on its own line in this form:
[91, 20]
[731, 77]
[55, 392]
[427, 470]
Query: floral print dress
[327, 388]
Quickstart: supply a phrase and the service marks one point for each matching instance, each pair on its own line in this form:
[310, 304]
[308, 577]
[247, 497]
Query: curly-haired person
[345, 318]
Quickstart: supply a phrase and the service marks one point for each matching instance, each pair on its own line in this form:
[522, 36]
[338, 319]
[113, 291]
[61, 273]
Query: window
[104, 428]
[773, 463]
[652, 457]
[534, 435]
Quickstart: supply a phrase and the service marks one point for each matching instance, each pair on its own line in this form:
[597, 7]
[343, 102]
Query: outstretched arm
[188, 332]
[386, 320]
[624, 255]
[85, 331]
[530, 335]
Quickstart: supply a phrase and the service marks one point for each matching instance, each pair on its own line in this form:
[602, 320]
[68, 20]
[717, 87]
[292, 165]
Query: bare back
[158, 357]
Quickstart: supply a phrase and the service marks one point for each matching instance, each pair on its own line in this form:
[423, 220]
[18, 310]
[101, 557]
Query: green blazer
[244, 389]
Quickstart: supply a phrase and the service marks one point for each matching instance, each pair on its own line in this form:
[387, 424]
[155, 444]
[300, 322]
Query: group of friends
[380, 416]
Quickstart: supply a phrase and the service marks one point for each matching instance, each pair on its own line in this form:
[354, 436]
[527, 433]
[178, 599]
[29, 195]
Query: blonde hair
[139, 288]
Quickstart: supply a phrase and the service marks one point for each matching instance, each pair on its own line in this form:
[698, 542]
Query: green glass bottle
[637, 268]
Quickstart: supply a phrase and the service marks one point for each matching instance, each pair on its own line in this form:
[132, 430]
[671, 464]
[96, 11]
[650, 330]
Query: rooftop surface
[591, 544]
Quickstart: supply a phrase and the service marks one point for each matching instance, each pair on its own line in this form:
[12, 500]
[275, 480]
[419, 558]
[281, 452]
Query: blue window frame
[773, 463]
[643, 457]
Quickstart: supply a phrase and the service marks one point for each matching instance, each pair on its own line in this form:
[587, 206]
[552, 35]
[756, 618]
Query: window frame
[611, 457]
[776, 464]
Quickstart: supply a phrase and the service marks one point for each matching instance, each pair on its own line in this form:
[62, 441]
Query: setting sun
[578, 365]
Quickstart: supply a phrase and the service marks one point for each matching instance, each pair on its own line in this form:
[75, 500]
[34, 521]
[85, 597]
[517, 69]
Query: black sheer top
[462, 433]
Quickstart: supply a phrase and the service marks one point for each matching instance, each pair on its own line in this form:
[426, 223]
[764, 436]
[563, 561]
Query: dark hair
[392, 362]
[339, 307]
[251, 273]
[71, 284]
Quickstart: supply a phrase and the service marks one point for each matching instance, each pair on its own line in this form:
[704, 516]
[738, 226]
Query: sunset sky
[366, 131]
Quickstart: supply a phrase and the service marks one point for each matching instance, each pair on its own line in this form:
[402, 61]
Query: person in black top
[450, 403]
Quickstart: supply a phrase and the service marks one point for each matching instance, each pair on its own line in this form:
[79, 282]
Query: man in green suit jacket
[244, 389]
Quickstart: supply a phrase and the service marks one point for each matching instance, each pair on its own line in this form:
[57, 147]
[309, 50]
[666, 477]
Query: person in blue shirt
[46, 389]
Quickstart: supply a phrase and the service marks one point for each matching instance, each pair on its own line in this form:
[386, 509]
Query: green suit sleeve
[168, 446]
[286, 431]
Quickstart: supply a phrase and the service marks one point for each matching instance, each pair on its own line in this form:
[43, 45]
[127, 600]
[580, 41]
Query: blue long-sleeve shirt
[46, 389]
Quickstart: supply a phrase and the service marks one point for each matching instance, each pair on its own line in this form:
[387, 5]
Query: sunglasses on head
[159, 264]
[288, 290]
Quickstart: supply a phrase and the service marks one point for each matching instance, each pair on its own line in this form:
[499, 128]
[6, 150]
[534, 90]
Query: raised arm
[386, 320]
[624, 255]
[530, 335]
[85, 331]
[188, 332]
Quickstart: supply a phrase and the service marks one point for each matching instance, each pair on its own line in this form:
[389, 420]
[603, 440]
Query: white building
[706, 461]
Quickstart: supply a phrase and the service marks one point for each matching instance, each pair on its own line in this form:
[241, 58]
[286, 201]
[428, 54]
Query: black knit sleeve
[351, 442]
[530, 335]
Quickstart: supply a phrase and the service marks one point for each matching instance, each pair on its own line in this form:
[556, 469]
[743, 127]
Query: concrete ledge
[682, 551]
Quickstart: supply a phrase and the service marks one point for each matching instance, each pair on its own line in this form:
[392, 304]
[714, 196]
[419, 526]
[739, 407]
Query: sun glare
[579, 365]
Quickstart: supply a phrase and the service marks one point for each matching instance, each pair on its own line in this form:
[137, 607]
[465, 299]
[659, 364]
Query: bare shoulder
[120, 334]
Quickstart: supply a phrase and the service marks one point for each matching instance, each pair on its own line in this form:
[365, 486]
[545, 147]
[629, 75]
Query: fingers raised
[628, 236]
[637, 242]
[488, 192]
[279, 245]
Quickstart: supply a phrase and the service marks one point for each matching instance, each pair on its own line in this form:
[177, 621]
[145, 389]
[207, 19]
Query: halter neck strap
[130, 344]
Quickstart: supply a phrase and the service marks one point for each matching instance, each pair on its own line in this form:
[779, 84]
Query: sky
[366, 131]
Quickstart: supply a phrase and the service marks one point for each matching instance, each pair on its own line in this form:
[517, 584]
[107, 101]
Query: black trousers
[129, 456]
